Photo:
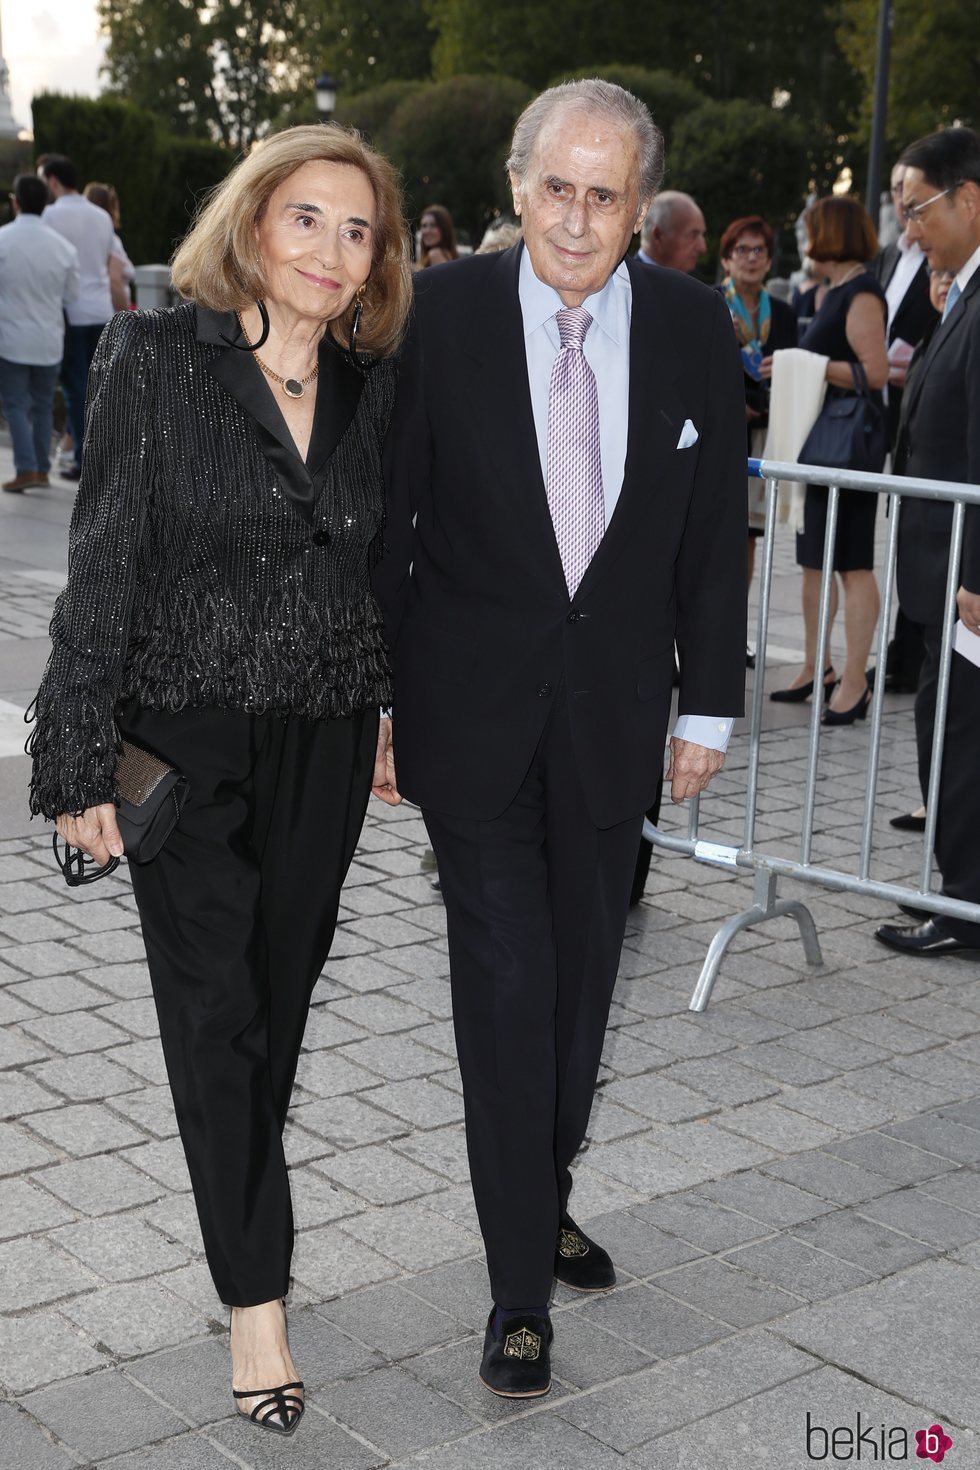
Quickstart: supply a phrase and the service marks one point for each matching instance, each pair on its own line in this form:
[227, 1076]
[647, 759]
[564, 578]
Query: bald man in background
[673, 232]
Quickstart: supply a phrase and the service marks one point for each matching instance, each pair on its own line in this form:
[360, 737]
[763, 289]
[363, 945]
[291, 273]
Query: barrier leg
[766, 906]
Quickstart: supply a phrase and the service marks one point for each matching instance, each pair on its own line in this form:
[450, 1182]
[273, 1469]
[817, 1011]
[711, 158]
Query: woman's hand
[96, 832]
[383, 786]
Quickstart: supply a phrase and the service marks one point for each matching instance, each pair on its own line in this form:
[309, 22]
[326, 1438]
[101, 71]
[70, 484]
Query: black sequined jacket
[208, 565]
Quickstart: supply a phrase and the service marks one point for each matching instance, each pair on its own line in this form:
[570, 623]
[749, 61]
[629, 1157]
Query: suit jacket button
[321, 538]
[574, 615]
[544, 690]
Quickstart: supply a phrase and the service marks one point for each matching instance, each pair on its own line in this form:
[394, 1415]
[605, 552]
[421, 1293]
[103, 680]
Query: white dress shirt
[606, 351]
[89, 229]
[38, 280]
[910, 258]
[965, 275]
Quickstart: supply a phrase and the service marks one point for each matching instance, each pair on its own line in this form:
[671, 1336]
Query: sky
[49, 45]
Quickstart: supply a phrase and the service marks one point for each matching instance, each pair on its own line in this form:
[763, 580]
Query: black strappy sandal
[274, 1404]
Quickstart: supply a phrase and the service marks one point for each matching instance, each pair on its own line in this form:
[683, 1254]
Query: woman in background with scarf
[763, 325]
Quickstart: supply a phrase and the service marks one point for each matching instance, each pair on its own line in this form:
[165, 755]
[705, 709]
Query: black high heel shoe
[278, 1409]
[797, 696]
[848, 716]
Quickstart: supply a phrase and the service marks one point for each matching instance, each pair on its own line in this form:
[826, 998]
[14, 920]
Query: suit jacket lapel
[656, 415]
[940, 337]
[339, 386]
[501, 395]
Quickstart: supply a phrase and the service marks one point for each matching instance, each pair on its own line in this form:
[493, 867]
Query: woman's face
[749, 262]
[939, 284]
[430, 232]
[316, 238]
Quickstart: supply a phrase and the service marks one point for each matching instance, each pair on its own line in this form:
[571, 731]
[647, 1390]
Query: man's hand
[691, 768]
[383, 786]
[96, 832]
[968, 605]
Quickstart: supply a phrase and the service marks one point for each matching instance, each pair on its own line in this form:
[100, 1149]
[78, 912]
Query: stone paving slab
[789, 1182]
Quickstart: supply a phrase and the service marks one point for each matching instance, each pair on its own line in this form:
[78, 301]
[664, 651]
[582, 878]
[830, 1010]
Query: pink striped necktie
[575, 496]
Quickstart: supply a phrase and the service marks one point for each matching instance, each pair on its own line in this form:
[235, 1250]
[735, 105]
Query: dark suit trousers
[536, 902]
[925, 704]
[958, 828]
[238, 913]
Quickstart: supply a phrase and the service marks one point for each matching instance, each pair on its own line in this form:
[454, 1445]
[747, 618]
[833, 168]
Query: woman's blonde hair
[219, 264]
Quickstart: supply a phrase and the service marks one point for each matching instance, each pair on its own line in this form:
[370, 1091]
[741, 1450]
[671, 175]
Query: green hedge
[157, 176]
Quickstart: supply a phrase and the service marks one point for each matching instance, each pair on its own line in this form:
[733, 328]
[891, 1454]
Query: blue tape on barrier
[755, 468]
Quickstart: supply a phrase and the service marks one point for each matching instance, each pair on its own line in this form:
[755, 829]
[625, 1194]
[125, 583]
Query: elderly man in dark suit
[939, 439]
[567, 487]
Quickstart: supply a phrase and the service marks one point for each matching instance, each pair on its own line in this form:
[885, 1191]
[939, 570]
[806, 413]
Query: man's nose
[576, 218]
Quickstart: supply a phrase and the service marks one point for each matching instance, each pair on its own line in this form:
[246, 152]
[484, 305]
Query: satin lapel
[940, 337]
[656, 414]
[501, 399]
[239, 375]
[339, 388]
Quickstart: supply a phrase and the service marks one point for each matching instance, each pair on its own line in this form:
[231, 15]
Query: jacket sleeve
[73, 743]
[970, 571]
[408, 466]
[710, 575]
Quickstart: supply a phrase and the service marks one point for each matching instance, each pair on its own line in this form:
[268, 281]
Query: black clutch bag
[151, 797]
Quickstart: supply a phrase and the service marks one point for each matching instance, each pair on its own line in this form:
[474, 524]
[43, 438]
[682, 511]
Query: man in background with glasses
[939, 439]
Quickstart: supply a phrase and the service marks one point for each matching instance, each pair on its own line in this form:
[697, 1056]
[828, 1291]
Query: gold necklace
[292, 387]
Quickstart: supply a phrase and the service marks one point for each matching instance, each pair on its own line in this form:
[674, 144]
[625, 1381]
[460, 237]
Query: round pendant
[293, 387]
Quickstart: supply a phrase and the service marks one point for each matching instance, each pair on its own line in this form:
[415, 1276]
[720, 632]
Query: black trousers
[536, 903]
[238, 913]
[925, 704]
[958, 825]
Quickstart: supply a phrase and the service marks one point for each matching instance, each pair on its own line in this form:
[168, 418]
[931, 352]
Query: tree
[375, 41]
[159, 178]
[450, 139]
[371, 111]
[668, 97]
[158, 58]
[740, 158]
[935, 65]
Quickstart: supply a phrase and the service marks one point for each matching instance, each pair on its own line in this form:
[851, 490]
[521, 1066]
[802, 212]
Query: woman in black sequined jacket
[219, 613]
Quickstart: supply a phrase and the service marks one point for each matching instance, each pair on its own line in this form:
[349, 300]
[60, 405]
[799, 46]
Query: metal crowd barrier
[769, 868]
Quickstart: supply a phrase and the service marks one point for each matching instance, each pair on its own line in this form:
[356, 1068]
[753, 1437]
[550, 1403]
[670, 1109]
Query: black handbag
[151, 796]
[850, 431]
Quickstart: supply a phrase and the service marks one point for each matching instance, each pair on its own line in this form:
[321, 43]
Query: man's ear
[515, 190]
[644, 211]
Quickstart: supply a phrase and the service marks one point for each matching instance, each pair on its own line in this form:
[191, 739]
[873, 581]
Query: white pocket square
[689, 435]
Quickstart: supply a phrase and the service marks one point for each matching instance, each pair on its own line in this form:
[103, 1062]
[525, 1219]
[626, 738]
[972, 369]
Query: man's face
[948, 229]
[579, 202]
[52, 196]
[679, 246]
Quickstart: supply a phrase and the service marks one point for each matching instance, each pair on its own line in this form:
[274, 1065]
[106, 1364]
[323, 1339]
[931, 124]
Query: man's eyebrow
[354, 220]
[597, 188]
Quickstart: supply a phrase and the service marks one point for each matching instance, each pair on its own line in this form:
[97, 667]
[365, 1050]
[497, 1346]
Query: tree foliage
[935, 65]
[159, 177]
[668, 97]
[450, 140]
[739, 158]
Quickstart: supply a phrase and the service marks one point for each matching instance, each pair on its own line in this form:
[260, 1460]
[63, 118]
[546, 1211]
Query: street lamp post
[326, 96]
[876, 156]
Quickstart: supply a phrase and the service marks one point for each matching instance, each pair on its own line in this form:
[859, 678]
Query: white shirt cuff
[710, 731]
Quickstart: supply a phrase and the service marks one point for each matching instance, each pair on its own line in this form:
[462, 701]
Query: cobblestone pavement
[788, 1183]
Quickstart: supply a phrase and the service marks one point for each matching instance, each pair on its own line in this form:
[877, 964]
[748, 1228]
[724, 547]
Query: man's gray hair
[660, 215]
[593, 98]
